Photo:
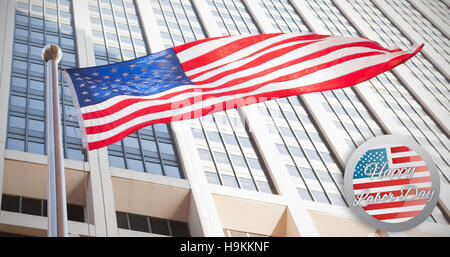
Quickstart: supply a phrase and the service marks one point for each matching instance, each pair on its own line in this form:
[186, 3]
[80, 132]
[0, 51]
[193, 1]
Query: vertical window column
[207, 219]
[39, 23]
[117, 37]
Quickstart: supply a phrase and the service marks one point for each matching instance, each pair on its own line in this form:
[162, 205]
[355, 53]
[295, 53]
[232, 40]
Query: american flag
[395, 210]
[215, 74]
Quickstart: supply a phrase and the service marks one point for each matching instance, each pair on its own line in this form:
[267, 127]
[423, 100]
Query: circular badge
[391, 183]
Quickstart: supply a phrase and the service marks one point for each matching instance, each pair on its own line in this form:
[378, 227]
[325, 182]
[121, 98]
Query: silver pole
[56, 205]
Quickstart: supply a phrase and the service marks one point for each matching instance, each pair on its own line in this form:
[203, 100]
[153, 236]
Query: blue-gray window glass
[389, 89]
[38, 23]
[223, 143]
[386, 86]
[117, 36]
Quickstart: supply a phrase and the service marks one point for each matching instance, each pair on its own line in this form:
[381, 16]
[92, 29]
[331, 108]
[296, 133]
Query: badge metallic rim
[382, 141]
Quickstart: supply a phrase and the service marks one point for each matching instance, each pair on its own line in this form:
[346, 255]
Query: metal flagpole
[56, 205]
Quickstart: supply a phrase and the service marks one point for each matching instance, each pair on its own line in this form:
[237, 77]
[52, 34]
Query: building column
[204, 219]
[266, 148]
[437, 112]
[435, 109]
[278, 172]
[416, 38]
[7, 13]
[433, 18]
[334, 138]
[374, 105]
[100, 193]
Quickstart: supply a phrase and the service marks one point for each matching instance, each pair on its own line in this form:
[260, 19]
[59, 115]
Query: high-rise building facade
[268, 169]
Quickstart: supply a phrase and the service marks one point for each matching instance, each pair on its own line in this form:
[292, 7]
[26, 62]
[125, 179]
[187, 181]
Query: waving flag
[215, 74]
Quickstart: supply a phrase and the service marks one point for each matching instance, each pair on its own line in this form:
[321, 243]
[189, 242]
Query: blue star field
[143, 76]
[371, 156]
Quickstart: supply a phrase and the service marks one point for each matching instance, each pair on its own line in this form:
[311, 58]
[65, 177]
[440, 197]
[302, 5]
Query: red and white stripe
[234, 71]
[396, 211]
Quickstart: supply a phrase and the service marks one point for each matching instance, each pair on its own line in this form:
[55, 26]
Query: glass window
[36, 104]
[205, 155]
[308, 173]
[159, 226]
[221, 157]
[36, 125]
[154, 168]
[15, 144]
[324, 176]
[139, 223]
[229, 181]
[222, 134]
[312, 155]
[75, 212]
[16, 122]
[319, 196]
[230, 139]
[337, 199]
[166, 148]
[247, 184]
[304, 194]
[254, 164]
[122, 220]
[292, 170]
[264, 187]
[172, 171]
[148, 145]
[38, 148]
[238, 160]
[116, 161]
[197, 133]
[28, 70]
[179, 228]
[36, 85]
[74, 154]
[133, 164]
[31, 206]
[10, 203]
[150, 148]
[245, 142]
[213, 136]
[296, 151]
[212, 178]
[282, 149]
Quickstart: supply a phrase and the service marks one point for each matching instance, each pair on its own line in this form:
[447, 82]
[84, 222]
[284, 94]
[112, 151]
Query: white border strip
[77, 109]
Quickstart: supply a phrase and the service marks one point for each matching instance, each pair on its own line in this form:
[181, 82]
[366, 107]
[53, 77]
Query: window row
[152, 225]
[38, 207]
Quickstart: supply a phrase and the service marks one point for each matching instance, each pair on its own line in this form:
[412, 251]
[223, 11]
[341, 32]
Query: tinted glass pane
[179, 228]
[154, 168]
[16, 144]
[159, 226]
[212, 178]
[75, 212]
[229, 181]
[264, 187]
[116, 161]
[304, 194]
[135, 165]
[138, 222]
[172, 171]
[38, 148]
[10, 203]
[31, 206]
[319, 196]
[247, 184]
[122, 220]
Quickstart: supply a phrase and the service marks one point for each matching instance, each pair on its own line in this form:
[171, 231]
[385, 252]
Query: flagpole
[56, 205]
